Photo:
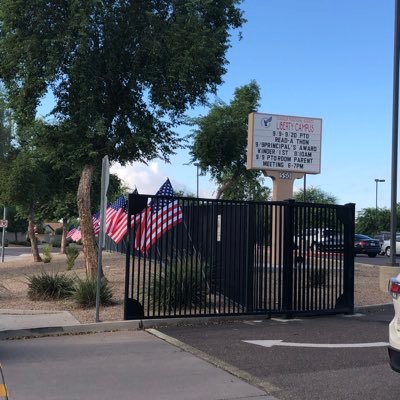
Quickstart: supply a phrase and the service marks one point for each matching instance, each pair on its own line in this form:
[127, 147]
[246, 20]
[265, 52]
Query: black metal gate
[199, 257]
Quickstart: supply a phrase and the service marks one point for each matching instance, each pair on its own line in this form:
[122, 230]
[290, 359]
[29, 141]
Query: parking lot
[330, 357]
[378, 260]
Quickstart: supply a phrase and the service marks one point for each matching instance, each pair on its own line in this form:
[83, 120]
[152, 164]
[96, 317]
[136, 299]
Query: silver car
[386, 247]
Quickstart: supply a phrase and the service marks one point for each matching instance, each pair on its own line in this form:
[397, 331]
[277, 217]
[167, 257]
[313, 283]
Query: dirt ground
[13, 286]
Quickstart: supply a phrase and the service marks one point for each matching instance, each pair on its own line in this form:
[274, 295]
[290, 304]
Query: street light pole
[197, 179]
[395, 116]
[376, 192]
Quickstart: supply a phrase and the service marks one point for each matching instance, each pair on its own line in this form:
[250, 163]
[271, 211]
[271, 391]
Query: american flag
[114, 212]
[159, 217]
[71, 231]
[77, 235]
[96, 222]
[121, 228]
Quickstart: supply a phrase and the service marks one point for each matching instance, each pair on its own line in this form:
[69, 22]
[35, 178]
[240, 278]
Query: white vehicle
[394, 326]
[386, 248]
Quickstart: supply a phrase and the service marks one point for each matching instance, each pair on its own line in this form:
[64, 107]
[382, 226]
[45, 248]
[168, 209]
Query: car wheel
[371, 255]
[387, 251]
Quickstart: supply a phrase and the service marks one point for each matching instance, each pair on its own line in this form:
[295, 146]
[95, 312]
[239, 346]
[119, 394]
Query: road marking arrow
[270, 343]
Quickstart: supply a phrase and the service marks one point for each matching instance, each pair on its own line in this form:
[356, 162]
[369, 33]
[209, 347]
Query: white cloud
[146, 178]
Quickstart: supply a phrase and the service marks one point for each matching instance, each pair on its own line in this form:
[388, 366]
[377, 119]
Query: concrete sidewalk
[14, 320]
[200, 377]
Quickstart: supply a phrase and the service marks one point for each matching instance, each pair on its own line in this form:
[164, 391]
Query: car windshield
[362, 237]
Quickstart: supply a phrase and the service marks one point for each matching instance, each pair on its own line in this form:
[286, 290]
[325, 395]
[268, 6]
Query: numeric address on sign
[285, 175]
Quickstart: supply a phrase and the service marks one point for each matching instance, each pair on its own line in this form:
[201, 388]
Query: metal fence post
[288, 233]
[250, 257]
[348, 262]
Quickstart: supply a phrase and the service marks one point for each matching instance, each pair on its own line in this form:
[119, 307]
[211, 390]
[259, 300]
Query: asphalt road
[296, 371]
[12, 252]
[378, 260]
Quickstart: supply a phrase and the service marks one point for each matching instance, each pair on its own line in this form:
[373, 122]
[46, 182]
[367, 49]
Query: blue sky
[331, 59]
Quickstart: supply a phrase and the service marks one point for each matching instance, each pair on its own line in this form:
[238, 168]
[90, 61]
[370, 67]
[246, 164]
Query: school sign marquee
[284, 143]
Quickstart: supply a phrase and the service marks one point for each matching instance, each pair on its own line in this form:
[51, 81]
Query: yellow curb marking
[3, 390]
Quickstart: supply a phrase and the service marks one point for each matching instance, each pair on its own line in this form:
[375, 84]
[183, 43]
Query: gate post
[348, 262]
[132, 308]
[250, 257]
[287, 292]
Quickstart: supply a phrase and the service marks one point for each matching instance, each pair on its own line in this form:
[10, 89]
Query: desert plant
[317, 278]
[55, 242]
[72, 252]
[47, 253]
[46, 286]
[85, 292]
[181, 285]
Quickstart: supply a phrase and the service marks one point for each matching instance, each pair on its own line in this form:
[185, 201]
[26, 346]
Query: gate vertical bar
[250, 258]
[128, 256]
[288, 257]
[348, 262]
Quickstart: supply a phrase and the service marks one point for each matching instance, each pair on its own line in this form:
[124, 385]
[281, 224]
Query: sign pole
[3, 234]
[103, 202]
[284, 148]
[395, 133]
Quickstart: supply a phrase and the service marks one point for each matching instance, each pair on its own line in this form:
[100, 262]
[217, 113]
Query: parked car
[386, 248]
[319, 239]
[394, 326]
[365, 245]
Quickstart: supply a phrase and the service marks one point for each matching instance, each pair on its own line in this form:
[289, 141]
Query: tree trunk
[85, 216]
[222, 188]
[32, 237]
[63, 236]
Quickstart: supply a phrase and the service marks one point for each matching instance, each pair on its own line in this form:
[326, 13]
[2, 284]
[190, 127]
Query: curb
[135, 325]
[372, 307]
[112, 326]
[245, 376]
[71, 329]
[362, 265]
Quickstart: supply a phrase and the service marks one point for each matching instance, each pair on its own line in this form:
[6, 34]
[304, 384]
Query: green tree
[219, 146]
[16, 223]
[122, 74]
[24, 184]
[315, 195]
[5, 124]
[371, 221]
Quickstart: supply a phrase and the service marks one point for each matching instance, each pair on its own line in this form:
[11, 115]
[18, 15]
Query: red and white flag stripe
[156, 224]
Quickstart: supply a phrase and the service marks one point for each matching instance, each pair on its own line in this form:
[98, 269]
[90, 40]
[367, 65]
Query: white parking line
[270, 343]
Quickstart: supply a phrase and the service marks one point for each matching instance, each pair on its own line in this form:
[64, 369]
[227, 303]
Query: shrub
[85, 292]
[45, 286]
[72, 252]
[317, 278]
[47, 253]
[55, 242]
[183, 285]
